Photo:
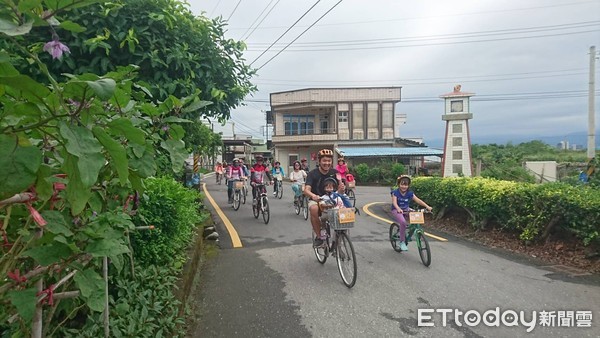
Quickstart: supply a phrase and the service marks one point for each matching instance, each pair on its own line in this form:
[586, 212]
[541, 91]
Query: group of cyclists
[323, 182]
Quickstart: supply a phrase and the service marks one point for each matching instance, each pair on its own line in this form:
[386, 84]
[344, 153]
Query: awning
[387, 151]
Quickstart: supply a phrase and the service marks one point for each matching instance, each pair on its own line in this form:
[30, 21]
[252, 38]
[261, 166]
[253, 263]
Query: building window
[324, 126]
[457, 168]
[457, 141]
[357, 116]
[342, 116]
[457, 155]
[457, 128]
[387, 115]
[298, 124]
[372, 115]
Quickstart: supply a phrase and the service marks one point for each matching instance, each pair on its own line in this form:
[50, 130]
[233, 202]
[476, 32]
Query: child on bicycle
[401, 198]
[257, 171]
[277, 172]
[332, 197]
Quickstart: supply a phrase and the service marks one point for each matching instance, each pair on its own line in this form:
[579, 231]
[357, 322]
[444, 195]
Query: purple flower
[56, 49]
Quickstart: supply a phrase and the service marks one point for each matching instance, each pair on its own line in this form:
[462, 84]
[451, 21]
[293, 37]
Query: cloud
[527, 62]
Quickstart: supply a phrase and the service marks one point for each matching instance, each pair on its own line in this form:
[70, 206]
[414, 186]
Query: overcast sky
[527, 61]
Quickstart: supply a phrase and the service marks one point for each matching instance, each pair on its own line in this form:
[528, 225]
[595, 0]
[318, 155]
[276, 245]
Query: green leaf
[124, 127]
[26, 88]
[91, 286]
[56, 223]
[177, 151]
[11, 29]
[27, 5]
[25, 302]
[72, 26]
[49, 254]
[6, 69]
[176, 132]
[106, 247]
[104, 88]
[144, 166]
[195, 106]
[117, 153]
[77, 193]
[43, 185]
[82, 143]
[18, 166]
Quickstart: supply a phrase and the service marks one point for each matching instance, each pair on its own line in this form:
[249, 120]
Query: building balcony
[331, 135]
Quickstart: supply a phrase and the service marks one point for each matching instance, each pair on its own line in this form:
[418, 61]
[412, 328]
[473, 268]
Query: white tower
[457, 145]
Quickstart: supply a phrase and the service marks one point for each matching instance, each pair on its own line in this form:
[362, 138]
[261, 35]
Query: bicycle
[414, 229]
[340, 246]
[237, 194]
[301, 205]
[261, 203]
[219, 178]
[244, 192]
[278, 185]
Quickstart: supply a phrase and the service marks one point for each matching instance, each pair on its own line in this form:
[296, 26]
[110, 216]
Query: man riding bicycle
[314, 189]
[256, 176]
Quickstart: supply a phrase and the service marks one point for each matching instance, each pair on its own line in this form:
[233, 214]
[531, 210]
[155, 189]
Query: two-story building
[348, 120]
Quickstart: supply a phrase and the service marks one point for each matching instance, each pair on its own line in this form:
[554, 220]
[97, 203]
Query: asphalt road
[270, 284]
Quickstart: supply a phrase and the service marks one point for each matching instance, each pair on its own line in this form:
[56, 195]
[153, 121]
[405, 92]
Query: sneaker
[274, 193]
[317, 242]
[403, 246]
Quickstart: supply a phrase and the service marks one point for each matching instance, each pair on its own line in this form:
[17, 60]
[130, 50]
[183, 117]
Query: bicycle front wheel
[346, 259]
[305, 207]
[424, 250]
[256, 208]
[320, 252]
[395, 236]
[265, 210]
[297, 205]
[279, 189]
[243, 195]
[236, 200]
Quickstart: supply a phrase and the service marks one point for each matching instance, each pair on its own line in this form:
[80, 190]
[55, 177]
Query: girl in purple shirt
[401, 198]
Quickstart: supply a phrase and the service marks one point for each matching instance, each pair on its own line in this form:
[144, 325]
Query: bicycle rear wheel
[346, 259]
[243, 195]
[279, 189]
[305, 207]
[395, 236]
[352, 197]
[265, 210]
[424, 250]
[321, 252]
[236, 200]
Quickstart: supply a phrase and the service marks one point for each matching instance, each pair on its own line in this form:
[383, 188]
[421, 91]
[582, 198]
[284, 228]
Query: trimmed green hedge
[532, 210]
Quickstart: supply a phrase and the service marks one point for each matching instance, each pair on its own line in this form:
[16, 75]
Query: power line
[213, 10]
[261, 21]
[445, 36]
[236, 7]
[287, 30]
[309, 27]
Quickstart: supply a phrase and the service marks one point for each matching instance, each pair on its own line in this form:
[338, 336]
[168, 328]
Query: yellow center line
[235, 239]
[368, 212]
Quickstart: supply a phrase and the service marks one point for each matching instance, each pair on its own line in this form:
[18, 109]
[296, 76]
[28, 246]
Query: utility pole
[591, 145]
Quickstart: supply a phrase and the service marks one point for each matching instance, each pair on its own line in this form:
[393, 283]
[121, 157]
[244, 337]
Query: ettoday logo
[495, 317]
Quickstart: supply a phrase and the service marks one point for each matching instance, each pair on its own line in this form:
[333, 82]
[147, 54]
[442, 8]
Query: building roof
[387, 151]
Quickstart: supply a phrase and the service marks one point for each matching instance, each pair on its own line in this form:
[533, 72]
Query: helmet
[259, 158]
[325, 153]
[277, 162]
[404, 178]
[330, 180]
[235, 160]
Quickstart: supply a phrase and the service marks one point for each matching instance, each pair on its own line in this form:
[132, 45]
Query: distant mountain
[577, 138]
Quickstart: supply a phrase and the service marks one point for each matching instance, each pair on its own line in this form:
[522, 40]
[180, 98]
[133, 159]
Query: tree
[177, 53]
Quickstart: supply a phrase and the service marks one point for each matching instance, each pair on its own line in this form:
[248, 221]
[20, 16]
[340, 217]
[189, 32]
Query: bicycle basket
[238, 185]
[416, 217]
[340, 219]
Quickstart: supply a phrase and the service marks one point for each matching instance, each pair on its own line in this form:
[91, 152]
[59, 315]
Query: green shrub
[144, 306]
[362, 173]
[173, 210]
